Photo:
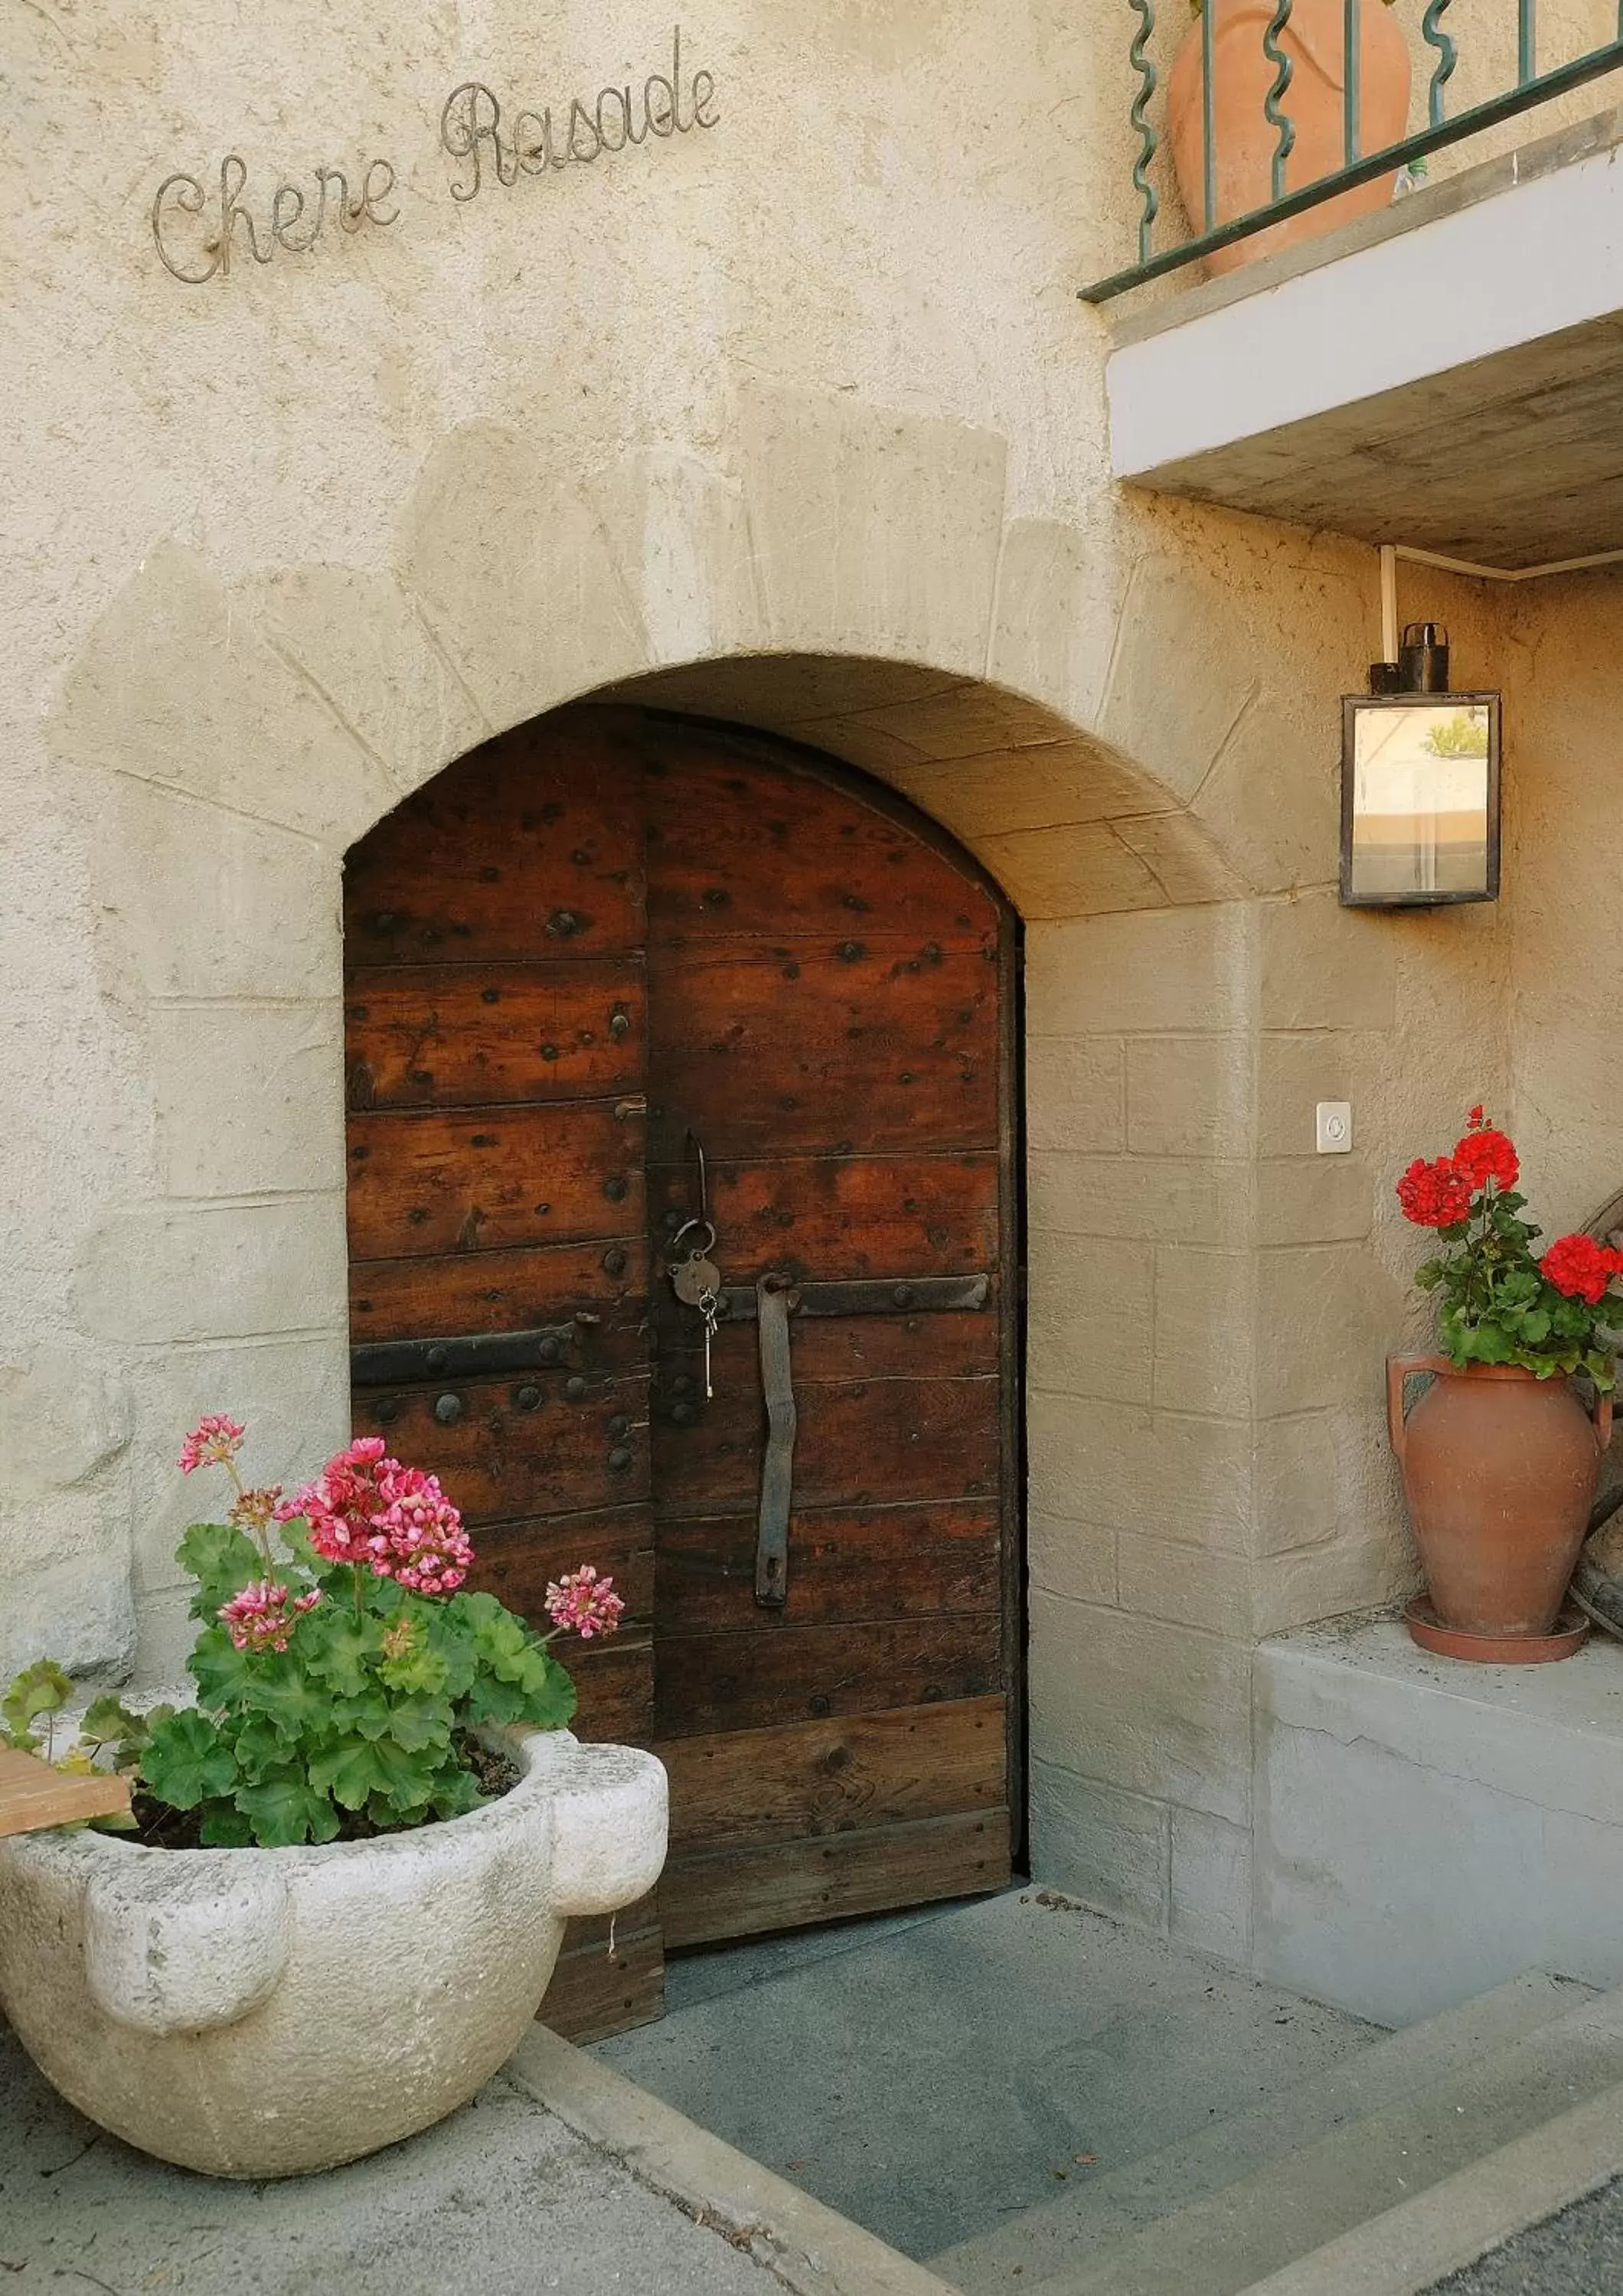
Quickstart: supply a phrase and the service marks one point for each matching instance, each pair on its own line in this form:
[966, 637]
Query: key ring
[699, 1251]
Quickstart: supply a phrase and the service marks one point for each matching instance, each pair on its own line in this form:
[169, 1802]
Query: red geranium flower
[1581, 1267]
[1435, 1195]
[1487, 1154]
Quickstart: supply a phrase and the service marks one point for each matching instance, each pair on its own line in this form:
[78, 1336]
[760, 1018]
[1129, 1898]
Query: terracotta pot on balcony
[1499, 1472]
[1242, 136]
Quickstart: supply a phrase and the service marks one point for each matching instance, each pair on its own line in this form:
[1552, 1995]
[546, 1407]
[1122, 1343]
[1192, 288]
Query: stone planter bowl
[264, 2012]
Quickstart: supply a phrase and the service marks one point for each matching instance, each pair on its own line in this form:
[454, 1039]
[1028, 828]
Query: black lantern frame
[1361, 890]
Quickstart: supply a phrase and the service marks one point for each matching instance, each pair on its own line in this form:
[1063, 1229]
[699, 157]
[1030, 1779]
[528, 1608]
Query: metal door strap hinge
[921, 1295]
[771, 1301]
[391, 1363]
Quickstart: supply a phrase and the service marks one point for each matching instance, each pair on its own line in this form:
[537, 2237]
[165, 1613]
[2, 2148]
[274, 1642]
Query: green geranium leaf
[224, 1827]
[339, 1648]
[287, 1808]
[368, 1715]
[501, 1641]
[224, 1676]
[223, 1560]
[187, 1761]
[295, 1536]
[542, 1695]
[419, 1723]
[411, 1662]
[450, 1638]
[259, 1746]
[456, 1793]
[494, 1703]
[357, 1769]
[42, 1688]
[109, 1719]
[280, 1689]
[109, 1722]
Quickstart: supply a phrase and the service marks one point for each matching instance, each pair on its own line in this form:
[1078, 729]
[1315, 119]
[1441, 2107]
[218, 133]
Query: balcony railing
[1358, 168]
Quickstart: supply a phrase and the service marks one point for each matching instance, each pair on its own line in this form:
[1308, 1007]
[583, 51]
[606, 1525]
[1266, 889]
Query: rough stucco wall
[1560, 878]
[815, 386]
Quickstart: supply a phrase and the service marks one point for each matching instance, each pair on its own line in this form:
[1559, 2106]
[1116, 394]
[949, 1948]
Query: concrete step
[1112, 2211]
[1313, 2193]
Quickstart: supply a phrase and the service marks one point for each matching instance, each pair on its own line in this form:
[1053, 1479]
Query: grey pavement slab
[1578, 2254]
[926, 2077]
[501, 2200]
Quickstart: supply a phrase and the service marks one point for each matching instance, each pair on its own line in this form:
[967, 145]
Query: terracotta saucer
[1571, 1632]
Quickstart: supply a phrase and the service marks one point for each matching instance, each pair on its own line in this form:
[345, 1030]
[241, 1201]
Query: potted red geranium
[1500, 1457]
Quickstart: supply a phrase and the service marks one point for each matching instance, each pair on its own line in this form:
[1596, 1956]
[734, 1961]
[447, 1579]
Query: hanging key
[710, 1307]
[696, 1282]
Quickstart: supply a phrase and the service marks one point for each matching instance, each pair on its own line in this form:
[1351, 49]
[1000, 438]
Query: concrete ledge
[1372, 389]
[1410, 2249]
[811, 2247]
[1427, 1830]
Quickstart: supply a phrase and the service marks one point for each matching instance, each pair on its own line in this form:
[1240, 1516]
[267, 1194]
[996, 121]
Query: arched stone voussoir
[679, 532]
[1067, 825]
[178, 686]
[361, 641]
[1056, 628]
[875, 532]
[514, 572]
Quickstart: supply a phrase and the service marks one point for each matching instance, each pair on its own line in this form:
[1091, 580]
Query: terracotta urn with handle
[1243, 138]
[1499, 1470]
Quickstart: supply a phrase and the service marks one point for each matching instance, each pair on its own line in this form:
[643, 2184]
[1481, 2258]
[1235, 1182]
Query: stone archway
[235, 739]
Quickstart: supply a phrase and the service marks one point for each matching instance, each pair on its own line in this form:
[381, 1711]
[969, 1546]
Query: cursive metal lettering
[293, 221]
[198, 233]
[474, 129]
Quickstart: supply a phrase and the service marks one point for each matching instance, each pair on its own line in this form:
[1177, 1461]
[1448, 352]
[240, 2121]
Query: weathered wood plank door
[813, 1000]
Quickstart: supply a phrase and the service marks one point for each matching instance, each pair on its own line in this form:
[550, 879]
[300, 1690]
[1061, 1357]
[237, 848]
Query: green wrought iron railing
[1532, 88]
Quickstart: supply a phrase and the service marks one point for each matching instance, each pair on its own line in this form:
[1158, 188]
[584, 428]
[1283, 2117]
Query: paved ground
[499, 2200]
[929, 2075]
[1578, 2254]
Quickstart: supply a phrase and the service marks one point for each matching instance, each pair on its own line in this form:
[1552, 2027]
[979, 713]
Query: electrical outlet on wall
[1335, 1122]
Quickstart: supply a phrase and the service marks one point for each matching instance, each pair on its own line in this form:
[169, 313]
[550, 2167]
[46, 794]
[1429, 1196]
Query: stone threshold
[1454, 2224]
[809, 2247]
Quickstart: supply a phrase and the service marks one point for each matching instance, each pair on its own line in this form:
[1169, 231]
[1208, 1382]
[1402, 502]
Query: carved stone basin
[263, 2013]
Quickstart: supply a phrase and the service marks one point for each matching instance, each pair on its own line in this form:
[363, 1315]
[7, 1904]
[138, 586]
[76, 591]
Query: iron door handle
[774, 1297]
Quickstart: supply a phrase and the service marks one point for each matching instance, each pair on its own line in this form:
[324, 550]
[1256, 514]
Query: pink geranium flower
[213, 1442]
[366, 1508]
[263, 1616]
[584, 1604]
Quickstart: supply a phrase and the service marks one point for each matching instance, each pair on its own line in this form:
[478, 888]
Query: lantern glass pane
[1421, 810]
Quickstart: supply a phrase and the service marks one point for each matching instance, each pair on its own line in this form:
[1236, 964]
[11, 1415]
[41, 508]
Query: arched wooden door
[610, 975]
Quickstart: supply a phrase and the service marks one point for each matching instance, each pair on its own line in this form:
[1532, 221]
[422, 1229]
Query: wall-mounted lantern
[1419, 784]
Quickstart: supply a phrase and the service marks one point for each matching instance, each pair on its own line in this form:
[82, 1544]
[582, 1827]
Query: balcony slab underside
[1446, 375]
